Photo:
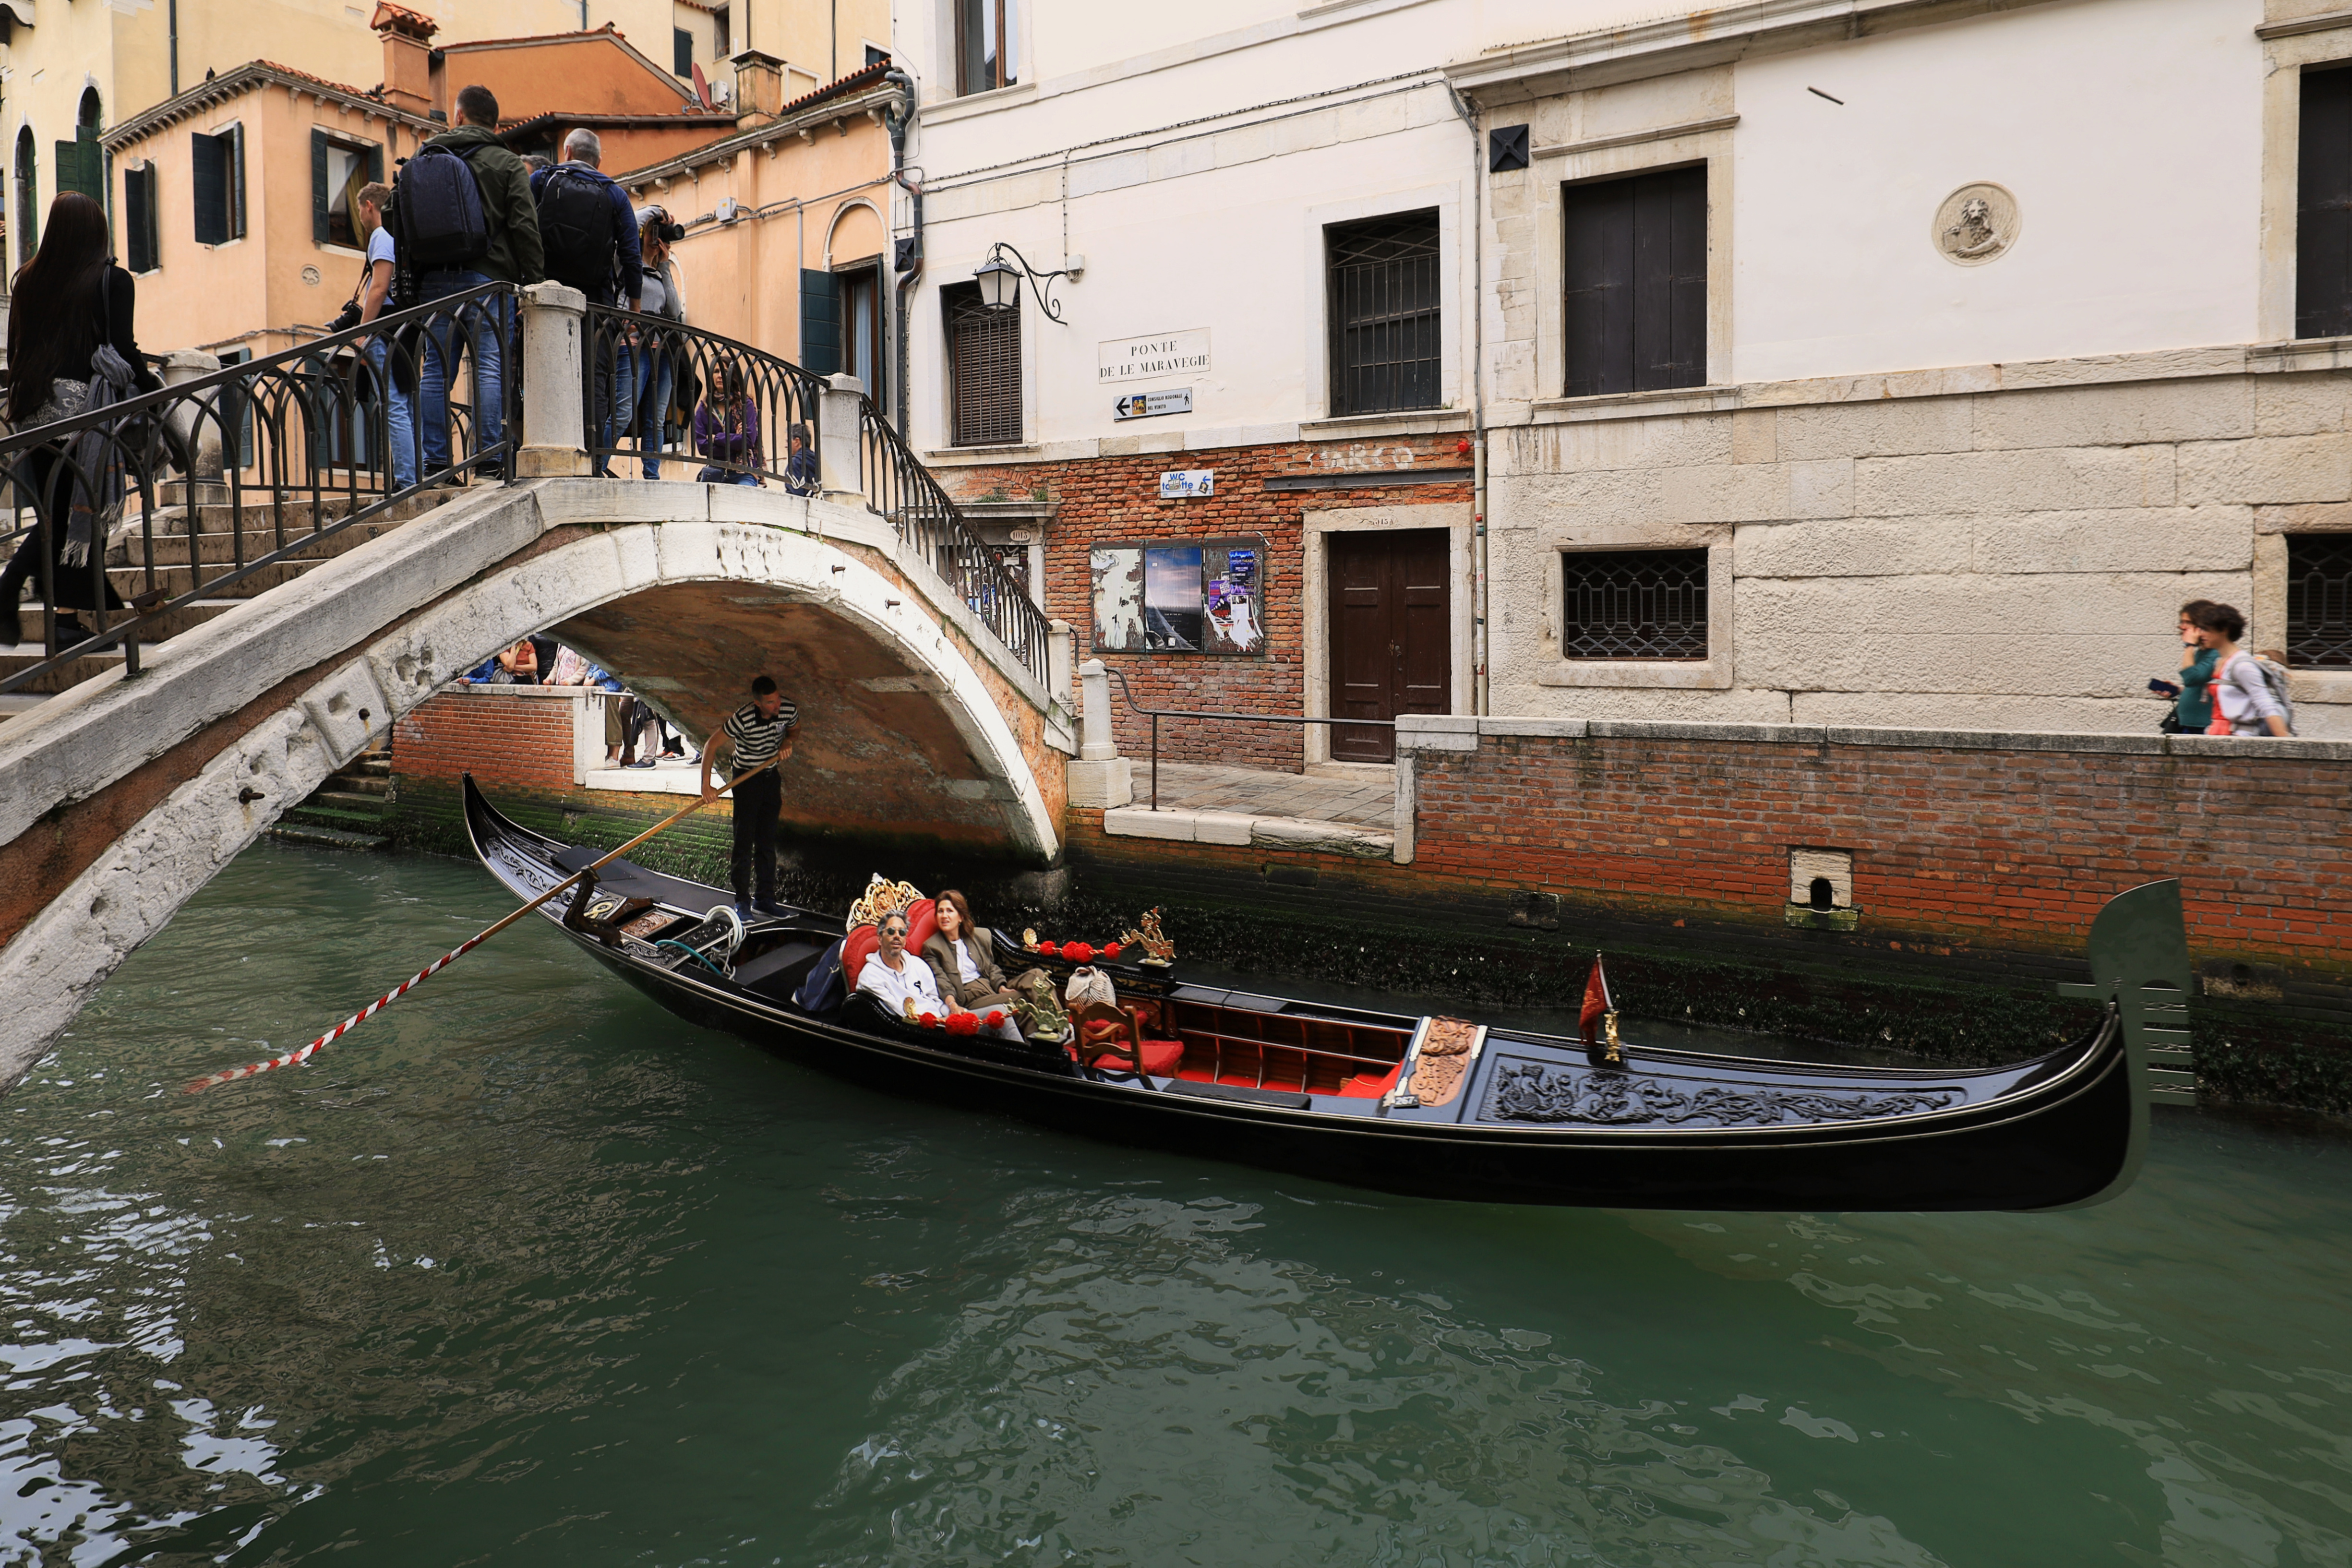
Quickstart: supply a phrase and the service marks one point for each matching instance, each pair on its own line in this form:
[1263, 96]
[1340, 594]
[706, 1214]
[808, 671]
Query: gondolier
[755, 733]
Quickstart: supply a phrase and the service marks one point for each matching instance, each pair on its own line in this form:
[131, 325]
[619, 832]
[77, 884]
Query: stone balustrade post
[197, 429]
[1099, 777]
[840, 446]
[554, 418]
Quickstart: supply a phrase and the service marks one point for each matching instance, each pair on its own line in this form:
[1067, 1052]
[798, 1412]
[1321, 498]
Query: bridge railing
[746, 416]
[123, 515]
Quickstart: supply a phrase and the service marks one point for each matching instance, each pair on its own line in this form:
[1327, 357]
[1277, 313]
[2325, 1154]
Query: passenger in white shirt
[894, 978]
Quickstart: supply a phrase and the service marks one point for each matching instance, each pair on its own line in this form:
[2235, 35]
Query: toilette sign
[1168, 354]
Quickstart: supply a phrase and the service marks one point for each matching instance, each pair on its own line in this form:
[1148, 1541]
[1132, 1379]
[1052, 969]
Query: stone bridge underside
[120, 798]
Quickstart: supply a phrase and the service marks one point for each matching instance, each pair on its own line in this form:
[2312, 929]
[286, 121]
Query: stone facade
[1998, 547]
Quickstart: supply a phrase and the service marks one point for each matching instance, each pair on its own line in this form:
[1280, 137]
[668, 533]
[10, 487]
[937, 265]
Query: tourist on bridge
[760, 730]
[441, 247]
[67, 305]
[2242, 692]
[800, 467]
[589, 232]
[649, 351]
[2192, 695]
[727, 429]
[395, 379]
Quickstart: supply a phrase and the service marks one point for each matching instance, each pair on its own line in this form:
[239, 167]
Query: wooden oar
[295, 1058]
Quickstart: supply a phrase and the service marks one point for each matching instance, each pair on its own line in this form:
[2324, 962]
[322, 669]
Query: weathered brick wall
[1117, 499]
[2001, 843]
[499, 737]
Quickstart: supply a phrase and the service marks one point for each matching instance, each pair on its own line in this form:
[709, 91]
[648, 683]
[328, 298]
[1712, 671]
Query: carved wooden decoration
[1532, 1091]
[881, 897]
[1444, 1061]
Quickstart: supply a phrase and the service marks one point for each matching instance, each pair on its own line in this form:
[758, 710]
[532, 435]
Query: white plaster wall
[2129, 131]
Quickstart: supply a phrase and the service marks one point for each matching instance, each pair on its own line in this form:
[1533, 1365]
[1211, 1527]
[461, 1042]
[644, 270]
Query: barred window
[2319, 602]
[1635, 604]
[983, 369]
[1385, 319]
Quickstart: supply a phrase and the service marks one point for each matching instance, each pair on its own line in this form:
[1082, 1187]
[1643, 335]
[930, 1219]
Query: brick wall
[499, 737]
[1115, 499]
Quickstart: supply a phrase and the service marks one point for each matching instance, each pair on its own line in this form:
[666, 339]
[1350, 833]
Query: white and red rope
[296, 1058]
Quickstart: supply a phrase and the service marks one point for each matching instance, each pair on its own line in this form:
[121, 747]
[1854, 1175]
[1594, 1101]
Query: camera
[348, 318]
[669, 233]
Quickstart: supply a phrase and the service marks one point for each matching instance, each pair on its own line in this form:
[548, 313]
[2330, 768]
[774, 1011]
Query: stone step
[311, 814]
[178, 580]
[15, 705]
[256, 509]
[349, 801]
[373, 765]
[374, 785]
[224, 549]
[66, 676]
[327, 838]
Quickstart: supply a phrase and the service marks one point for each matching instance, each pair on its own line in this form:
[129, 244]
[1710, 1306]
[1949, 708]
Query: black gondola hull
[2064, 1130]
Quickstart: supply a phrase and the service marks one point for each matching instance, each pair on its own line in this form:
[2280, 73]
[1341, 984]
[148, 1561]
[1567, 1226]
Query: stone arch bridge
[122, 796]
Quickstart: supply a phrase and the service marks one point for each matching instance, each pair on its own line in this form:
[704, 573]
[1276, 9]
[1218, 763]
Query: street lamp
[1000, 281]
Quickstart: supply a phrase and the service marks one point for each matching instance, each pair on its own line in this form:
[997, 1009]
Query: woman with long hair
[64, 303]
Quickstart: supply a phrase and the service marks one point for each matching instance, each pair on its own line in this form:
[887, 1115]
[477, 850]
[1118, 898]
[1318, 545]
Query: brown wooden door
[1391, 640]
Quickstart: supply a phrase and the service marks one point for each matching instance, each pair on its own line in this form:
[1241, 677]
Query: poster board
[1180, 596]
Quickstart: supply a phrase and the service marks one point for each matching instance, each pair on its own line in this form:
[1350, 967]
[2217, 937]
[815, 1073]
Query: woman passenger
[962, 957]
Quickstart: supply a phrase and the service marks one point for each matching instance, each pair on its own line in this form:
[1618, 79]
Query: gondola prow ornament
[1600, 1013]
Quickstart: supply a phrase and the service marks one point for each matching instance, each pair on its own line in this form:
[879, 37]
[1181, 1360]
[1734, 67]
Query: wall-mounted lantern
[1000, 281]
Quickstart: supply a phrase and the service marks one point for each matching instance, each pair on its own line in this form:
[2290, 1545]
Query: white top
[912, 979]
[2245, 697]
[966, 970]
[651, 294]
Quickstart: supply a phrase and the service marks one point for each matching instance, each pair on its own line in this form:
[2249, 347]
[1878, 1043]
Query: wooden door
[1391, 636]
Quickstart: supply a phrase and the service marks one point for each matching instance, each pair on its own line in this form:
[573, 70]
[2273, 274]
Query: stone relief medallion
[1977, 223]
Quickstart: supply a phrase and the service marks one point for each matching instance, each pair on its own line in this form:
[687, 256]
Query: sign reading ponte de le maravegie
[1123, 360]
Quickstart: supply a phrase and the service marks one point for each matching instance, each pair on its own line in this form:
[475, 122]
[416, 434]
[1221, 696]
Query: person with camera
[394, 382]
[651, 353]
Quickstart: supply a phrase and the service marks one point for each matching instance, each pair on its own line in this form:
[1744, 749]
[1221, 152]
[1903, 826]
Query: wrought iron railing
[900, 488]
[734, 414]
[1156, 714]
[281, 453]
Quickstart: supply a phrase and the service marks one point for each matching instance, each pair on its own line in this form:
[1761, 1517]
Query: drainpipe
[910, 270]
[1482, 599]
[175, 47]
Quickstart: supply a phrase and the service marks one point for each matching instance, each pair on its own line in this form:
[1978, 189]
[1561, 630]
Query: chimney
[408, 55]
[759, 88]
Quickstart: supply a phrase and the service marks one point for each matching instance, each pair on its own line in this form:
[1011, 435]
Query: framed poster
[1181, 596]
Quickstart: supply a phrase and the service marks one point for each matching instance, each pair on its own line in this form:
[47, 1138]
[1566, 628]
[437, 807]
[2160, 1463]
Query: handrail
[310, 427]
[910, 497]
[1157, 713]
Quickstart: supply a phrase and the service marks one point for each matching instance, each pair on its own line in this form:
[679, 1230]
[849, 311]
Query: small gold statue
[1028, 939]
[1161, 952]
[1039, 1011]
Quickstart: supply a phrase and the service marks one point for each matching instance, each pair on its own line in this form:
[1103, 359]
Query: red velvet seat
[1159, 1059]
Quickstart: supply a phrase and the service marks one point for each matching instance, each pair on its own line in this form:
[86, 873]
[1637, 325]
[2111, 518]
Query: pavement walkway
[1194, 786]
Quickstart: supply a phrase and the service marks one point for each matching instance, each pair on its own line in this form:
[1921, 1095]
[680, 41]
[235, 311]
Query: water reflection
[537, 1274]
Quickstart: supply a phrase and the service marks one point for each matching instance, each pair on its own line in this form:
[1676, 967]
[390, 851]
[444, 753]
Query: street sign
[1146, 405]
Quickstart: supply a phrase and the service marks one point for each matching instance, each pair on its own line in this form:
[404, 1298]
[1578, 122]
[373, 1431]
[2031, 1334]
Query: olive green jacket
[516, 256]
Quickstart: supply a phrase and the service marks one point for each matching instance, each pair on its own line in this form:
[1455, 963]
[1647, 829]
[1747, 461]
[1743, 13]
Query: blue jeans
[479, 330]
[399, 412]
[621, 416]
[715, 475]
[653, 402]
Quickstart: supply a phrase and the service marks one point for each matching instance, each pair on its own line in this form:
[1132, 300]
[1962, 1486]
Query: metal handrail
[1157, 713]
[776, 394]
[910, 497]
[307, 424]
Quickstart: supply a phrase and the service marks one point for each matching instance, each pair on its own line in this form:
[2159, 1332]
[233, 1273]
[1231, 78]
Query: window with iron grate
[1635, 604]
[1386, 322]
[983, 369]
[2319, 602]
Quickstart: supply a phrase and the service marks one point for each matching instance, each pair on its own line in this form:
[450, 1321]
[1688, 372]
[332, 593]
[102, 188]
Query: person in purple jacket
[727, 431]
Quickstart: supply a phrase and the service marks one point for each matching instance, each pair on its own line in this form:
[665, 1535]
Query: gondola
[1430, 1107]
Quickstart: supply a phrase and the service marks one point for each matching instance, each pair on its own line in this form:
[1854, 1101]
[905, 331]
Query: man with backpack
[590, 232]
[464, 217]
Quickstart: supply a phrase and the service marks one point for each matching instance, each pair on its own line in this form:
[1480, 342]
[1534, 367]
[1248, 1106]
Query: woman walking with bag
[67, 304]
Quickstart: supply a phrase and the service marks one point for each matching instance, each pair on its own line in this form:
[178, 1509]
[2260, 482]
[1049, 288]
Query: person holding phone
[2192, 695]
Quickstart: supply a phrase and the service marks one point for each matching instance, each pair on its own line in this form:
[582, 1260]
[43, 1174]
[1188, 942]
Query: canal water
[527, 1271]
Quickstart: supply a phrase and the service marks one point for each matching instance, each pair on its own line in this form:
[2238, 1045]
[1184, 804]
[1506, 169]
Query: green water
[529, 1272]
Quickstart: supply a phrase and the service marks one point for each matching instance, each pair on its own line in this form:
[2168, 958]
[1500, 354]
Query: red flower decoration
[1111, 951]
[995, 1018]
[1078, 952]
[1049, 950]
[963, 1023]
[929, 1020]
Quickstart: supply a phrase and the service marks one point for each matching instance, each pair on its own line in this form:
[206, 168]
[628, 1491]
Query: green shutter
[209, 182]
[139, 218]
[820, 322]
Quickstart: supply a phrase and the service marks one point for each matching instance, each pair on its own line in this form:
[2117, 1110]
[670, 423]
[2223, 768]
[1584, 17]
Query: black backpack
[575, 229]
[440, 219]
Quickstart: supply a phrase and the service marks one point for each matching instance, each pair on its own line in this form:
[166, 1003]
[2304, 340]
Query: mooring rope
[296, 1058]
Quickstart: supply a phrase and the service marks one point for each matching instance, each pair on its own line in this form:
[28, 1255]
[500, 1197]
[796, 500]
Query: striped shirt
[757, 739]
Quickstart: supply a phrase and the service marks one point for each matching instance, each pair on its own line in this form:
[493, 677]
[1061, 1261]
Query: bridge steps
[346, 812]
